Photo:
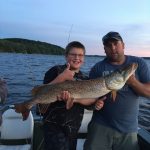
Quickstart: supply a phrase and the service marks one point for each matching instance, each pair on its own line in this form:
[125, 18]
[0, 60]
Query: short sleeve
[92, 73]
[143, 71]
[50, 75]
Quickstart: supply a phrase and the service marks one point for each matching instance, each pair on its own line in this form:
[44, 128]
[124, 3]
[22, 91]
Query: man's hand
[142, 89]
[99, 103]
[131, 80]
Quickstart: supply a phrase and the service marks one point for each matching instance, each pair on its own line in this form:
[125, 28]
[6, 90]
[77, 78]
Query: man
[115, 126]
[61, 125]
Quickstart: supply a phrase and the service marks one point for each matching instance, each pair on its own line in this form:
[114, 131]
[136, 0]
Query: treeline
[18, 45]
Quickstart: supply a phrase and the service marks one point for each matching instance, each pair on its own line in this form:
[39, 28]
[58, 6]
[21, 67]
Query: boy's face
[75, 58]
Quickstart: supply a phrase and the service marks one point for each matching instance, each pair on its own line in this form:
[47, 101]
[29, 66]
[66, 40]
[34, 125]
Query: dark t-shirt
[57, 113]
[122, 114]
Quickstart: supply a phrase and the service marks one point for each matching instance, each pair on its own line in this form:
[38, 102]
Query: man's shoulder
[139, 60]
[135, 58]
[99, 63]
[97, 69]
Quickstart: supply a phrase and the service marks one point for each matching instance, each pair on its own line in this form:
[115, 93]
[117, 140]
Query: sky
[61, 21]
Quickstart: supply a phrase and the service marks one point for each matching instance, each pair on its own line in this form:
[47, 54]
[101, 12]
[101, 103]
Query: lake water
[24, 71]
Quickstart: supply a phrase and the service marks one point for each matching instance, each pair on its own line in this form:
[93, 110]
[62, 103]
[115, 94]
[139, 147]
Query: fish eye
[119, 71]
[119, 79]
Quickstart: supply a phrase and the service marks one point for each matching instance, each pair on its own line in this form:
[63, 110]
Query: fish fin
[36, 89]
[25, 115]
[42, 108]
[114, 95]
[69, 103]
[21, 108]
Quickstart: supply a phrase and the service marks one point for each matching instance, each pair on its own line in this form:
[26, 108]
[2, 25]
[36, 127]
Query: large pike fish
[46, 94]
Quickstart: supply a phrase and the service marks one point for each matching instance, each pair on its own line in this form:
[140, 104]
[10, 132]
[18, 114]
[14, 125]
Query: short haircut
[74, 44]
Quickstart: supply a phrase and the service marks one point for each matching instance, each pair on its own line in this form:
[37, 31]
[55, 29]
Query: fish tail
[21, 108]
[25, 115]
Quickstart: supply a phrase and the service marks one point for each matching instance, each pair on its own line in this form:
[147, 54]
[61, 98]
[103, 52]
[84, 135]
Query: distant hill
[18, 45]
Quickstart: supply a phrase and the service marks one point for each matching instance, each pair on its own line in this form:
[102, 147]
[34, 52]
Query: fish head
[118, 78]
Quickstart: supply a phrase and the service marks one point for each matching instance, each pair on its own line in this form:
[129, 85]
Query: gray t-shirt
[122, 114]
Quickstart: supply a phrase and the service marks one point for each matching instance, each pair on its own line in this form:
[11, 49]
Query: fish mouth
[130, 70]
[134, 66]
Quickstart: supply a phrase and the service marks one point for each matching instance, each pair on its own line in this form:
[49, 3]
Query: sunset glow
[59, 22]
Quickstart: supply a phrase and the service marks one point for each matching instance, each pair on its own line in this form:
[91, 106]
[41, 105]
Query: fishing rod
[70, 33]
[10, 105]
[45, 107]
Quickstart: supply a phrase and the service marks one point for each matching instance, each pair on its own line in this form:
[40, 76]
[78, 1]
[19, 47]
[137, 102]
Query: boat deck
[37, 140]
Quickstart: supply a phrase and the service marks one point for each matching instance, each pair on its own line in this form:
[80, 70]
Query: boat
[27, 135]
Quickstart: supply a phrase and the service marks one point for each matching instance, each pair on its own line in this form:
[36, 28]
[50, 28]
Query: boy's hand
[66, 96]
[67, 74]
[99, 103]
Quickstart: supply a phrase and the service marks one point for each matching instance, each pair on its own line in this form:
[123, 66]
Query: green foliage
[18, 45]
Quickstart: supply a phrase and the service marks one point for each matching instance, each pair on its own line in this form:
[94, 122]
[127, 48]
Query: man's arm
[142, 89]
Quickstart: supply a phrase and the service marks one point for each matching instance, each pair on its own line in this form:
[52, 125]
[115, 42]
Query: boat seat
[16, 133]
[83, 129]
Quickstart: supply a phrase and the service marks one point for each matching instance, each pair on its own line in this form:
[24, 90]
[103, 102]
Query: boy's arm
[66, 96]
[88, 101]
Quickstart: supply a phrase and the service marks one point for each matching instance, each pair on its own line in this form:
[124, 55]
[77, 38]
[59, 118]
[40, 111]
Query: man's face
[114, 50]
[75, 58]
